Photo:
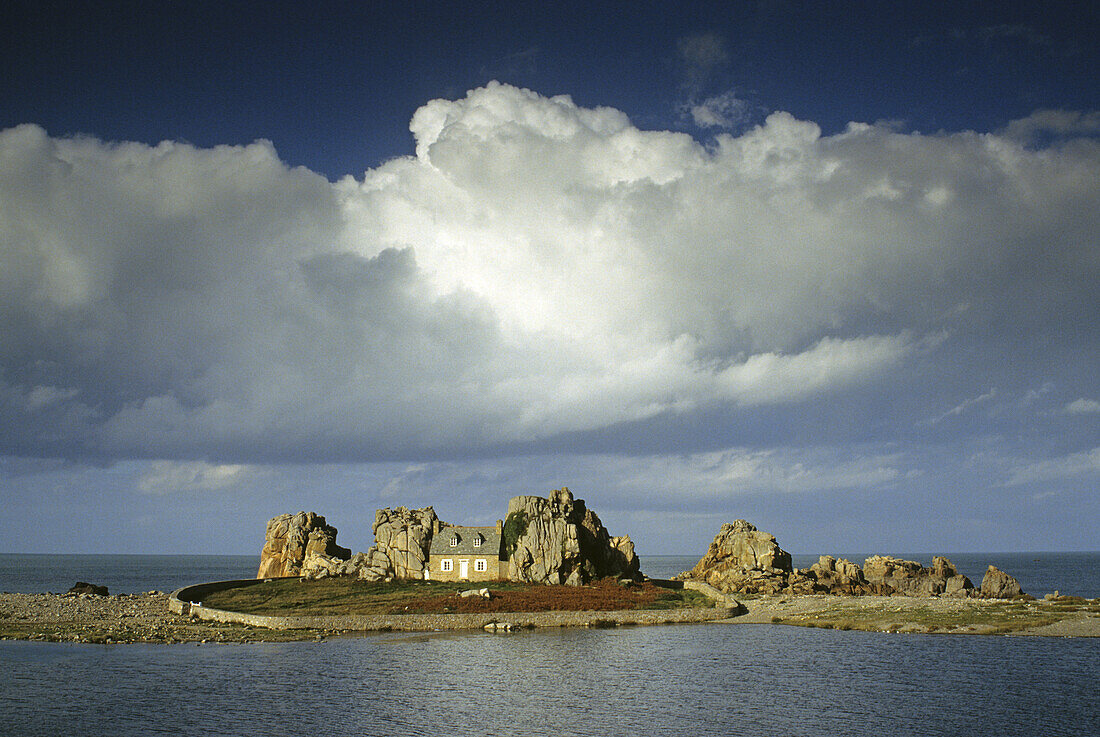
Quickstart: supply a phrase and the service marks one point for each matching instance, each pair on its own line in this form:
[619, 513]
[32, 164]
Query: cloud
[1043, 126]
[964, 406]
[702, 52]
[536, 271]
[169, 477]
[721, 111]
[1082, 464]
[1015, 32]
[1083, 407]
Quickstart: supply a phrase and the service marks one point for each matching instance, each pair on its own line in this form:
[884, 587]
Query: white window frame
[454, 541]
[477, 541]
[446, 565]
[480, 565]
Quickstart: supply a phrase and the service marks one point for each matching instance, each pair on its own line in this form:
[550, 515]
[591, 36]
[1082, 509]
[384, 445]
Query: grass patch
[349, 596]
[996, 618]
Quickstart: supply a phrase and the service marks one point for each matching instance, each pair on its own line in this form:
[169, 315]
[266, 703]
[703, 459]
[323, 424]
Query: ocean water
[1038, 573]
[121, 574]
[709, 679]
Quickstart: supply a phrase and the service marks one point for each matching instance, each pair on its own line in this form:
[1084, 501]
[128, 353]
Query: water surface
[669, 680]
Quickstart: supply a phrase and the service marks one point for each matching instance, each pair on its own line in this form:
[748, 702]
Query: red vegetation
[604, 595]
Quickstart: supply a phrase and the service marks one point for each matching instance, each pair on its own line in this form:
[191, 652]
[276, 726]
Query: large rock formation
[402, 539]
[745, 560]
[996, 584]
[292, 538]
[558, 540]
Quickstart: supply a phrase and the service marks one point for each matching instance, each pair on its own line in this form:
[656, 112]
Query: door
[464, 569]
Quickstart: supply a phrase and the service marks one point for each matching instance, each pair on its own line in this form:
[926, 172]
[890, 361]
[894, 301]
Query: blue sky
[830, 267]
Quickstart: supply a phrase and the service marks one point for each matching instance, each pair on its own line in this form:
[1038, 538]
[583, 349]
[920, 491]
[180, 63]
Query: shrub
[514, 528]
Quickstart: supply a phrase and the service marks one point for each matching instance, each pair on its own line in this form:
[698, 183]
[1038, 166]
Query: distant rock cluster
[744, 560]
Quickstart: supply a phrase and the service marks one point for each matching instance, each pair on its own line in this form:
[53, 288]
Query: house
[467, 554]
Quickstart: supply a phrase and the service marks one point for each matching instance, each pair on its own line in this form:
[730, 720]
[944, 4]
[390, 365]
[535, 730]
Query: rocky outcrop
[402, 539]
[291, 539]
[83, 587]
[996, 584]
[745, 560]
[909, 578]
[741, 559]
[558, 540]
[832, 576]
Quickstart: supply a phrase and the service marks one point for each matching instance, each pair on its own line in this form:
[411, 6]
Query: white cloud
[41, 397]
[169, 477]
[721, 111]
[1083, 407]
[964, 406]
[1057, 123]
[741, 471]
[1071, 466]
[536, 269]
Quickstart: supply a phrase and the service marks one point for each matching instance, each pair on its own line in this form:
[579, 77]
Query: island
[549, 562]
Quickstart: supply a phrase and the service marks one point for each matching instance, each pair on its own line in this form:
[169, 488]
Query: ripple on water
[671, 680]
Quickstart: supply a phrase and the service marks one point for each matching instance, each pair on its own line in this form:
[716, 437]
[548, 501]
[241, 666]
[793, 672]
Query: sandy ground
[144, 618]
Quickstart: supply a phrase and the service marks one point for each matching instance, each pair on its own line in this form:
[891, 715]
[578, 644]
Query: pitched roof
[466, 541]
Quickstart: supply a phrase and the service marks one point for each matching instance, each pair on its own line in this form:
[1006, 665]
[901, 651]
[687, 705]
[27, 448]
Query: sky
[833, 268]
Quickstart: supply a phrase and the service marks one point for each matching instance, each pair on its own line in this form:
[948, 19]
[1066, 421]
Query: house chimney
[500, 527]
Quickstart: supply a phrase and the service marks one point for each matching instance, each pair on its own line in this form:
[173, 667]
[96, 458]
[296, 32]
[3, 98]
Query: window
[478, 540]
[479, 565]
[454, 541]
[446, 565]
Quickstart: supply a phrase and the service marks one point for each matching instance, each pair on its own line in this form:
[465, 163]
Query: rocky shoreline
[122, 619]
[145, 618]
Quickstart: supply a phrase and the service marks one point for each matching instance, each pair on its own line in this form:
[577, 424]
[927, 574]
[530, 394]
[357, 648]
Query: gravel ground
[927, 615]
[130, 618]
[126, 618]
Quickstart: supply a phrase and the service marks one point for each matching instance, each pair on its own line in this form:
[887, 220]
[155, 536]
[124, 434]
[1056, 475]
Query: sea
[699, 679]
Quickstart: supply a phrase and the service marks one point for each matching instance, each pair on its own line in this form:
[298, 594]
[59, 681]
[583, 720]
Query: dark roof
[490, 541]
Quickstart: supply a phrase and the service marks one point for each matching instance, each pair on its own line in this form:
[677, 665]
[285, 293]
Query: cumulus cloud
[1045, 125]
[536, 269]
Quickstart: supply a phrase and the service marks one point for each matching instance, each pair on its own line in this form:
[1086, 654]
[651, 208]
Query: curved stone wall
[187, 602]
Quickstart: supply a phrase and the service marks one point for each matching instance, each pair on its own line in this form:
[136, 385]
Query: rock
[83, 587]
[910, 578]
[483, 593]
[291, 539]
[996, 584]
[958, 586]
[558, 540]
[402, 541]
[743, 559]
[841, 577]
